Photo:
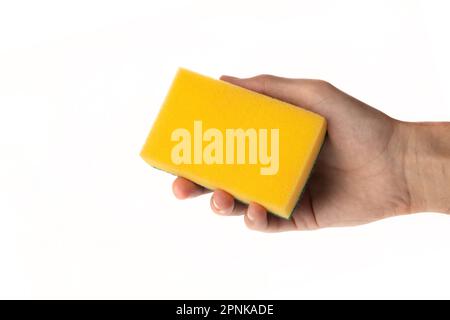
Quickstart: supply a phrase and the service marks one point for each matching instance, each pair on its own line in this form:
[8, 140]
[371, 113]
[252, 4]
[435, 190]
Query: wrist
[426, 165]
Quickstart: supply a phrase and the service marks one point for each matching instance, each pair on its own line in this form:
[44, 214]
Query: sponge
[222, 136]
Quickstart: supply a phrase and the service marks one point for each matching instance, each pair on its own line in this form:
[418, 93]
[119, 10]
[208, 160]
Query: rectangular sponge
[222, 136]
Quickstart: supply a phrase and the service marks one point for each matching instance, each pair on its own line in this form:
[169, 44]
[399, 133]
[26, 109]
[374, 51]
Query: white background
[82, 216]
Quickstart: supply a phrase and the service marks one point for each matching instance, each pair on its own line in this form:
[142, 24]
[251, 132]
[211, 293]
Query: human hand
[360, 175]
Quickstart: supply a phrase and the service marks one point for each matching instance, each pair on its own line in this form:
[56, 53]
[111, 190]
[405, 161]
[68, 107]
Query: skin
[371, 166]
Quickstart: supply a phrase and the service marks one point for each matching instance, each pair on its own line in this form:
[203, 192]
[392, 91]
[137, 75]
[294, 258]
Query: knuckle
[265, 76]
[321, 85]
[264, 82]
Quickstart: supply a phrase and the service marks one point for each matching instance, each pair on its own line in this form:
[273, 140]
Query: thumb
[305, 93]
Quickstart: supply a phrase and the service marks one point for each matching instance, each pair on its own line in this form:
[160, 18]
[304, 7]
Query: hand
[359, 175]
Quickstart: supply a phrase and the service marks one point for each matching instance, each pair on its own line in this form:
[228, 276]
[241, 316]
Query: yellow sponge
[222, 136]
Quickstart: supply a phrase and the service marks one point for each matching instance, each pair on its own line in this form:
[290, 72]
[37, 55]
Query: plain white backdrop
[82, 216]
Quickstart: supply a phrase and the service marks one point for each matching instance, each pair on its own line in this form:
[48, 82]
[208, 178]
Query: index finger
[183, 188]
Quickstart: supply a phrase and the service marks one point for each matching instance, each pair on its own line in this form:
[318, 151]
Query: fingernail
[221, 207]
[215, 204]
[251, 213]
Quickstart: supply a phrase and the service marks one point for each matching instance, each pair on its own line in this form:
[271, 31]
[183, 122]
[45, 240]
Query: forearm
[427, 165]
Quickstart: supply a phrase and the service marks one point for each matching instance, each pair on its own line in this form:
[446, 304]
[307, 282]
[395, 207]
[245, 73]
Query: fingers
[183, 188]
[224, 204]
[257, 218]
[303, 217]
[221, 202]
[305, 93]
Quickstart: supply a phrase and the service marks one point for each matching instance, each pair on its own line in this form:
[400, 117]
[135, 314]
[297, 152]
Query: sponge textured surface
[220, 105]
